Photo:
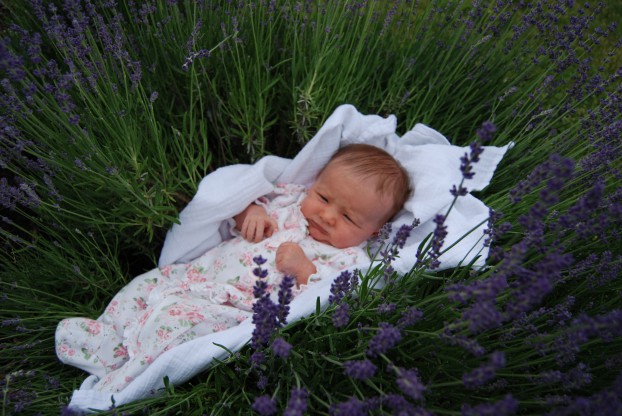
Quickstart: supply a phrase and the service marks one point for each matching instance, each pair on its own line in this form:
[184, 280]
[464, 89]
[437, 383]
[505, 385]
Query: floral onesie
[174, 304]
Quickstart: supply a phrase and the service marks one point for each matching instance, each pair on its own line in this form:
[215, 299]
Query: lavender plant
[111, 112]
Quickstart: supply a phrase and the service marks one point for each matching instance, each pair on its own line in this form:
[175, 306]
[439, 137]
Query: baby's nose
[328, 216]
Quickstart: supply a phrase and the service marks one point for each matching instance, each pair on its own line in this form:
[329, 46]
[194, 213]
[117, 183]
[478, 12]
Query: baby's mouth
[313, 224]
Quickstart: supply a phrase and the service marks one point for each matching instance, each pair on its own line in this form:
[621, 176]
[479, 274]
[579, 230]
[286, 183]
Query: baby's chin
[318, 236]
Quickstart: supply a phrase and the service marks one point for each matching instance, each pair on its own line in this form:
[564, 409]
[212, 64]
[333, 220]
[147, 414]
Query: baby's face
[342, 209]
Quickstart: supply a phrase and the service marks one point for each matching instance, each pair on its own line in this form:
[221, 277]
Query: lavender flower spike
[408, 381]
[386, 338]
[483, 374]
[281, 348]
[438, 239]
[297, 404]
[359, 370]
[486, 131]
[506, 406]
[264, 405]
[340, 287]
[285, 297]
[341, 315]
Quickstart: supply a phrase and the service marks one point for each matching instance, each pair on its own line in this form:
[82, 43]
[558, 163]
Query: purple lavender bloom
[486, 131]
[192, 40]
[400, 406]
[203, 53]
[285, 297]
[485, 373]
[581, 330]
[258, 358]
[386, 338]
[399, 240]
[265, 318]
[80, 164]
[605, 402]
[476, 149]
[264, 405]
[408, 381]
[409, 317]
[260, 288]
[341, 315]
[577, 377]
[297, 403]
[478, 290]
[458, 191]
[385, 308]
[359, 370]
[281, 348]
[482, 316]
[506, 406]
[22, 194]
[494, 231]
[438, 239]
[531, 286]
[259, 272]
[340, 287]
[262, 383]
[462, 341]
[384, 233]
[351, 407]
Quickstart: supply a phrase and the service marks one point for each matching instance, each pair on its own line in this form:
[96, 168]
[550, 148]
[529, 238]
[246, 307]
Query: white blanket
[434, 166]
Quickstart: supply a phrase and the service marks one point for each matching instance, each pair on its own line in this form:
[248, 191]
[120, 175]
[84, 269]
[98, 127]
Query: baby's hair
[371, 162]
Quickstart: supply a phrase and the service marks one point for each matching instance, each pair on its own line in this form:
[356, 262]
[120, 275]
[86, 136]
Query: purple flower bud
[281, 348]
[438, 239]
[262, 383]
[409, 317]
[485, 373]
[352, 406]
[359, 370]
[258, 358]
[297, 403]
[285, 297]
[486, 131]
[341, 315]
[386, 308]
[265, 318]
[264, 405]
[259, 272]
[506, 406]
[386, 338]
[408, 381]
[340, 287]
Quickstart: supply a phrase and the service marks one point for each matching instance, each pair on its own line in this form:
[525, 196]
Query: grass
[99, 155]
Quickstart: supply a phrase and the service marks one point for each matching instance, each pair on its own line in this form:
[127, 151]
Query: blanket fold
[434, 166]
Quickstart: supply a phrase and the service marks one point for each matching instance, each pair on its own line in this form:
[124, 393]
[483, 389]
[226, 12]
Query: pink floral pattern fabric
[177, 303]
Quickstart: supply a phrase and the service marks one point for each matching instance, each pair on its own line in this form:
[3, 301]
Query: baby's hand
[256, 224]
[291, 260]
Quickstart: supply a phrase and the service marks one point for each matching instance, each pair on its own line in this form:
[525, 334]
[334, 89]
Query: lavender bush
[112, 111]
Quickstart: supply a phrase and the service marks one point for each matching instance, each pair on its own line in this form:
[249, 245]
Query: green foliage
[111, 115]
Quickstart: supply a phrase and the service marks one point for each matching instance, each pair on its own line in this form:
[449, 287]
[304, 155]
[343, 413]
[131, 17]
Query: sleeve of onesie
[281, 196]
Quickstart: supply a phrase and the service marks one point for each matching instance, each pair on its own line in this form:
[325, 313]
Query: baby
[310, 235]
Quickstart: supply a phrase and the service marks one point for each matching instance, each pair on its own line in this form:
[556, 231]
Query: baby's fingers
[271, 227]
[249, 230]
[258, 232]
